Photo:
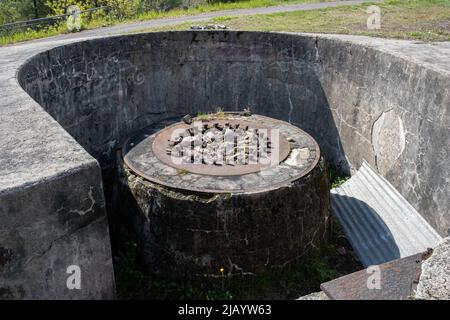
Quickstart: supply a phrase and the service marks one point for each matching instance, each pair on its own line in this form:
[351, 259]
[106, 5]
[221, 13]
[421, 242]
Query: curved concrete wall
[101, 91]
[384, 101]
[356, 101]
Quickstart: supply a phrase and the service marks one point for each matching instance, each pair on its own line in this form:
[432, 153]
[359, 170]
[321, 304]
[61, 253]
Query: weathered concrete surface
[434, 282]
[52, 205]
[315, 296]
[334, 87]
[183, 234]
[192, 224]
[388, 140]
[412, 80]
[49, 226]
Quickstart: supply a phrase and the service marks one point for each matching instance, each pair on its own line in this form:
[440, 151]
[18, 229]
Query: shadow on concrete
[366, 231]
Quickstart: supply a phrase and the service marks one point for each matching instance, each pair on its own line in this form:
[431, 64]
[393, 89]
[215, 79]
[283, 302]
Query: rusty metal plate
[161, 144]
[397, 281]
[139, 156]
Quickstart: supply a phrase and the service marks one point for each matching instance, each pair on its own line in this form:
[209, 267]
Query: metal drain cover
[222, 154]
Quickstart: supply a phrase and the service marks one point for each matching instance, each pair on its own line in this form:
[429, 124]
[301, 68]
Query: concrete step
[379, 223]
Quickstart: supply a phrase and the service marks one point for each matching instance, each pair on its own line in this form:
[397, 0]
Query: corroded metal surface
[144, 154]
[397, 281]
[280, 152]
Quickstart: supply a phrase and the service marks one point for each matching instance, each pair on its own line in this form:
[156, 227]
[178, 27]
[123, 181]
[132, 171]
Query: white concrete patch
[388, 140]
[298, 157]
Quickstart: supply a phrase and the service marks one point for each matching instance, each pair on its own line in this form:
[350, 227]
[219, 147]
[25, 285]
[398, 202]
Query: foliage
[60, 6]
[336, 178]
[19, 10]
[129, 8]
[425, 20]
[8, 13]
[121, 8]
[221, 1]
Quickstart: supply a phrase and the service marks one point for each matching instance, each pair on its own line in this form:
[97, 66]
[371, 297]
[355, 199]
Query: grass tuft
[336, 179]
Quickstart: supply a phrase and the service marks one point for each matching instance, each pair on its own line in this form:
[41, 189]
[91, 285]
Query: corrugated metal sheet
[379, 223]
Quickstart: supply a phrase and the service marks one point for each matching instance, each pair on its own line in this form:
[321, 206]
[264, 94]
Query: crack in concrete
[91, 207]
[67, 235]
[291, 107]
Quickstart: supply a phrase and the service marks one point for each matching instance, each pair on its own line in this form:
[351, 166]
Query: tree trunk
[36, 15]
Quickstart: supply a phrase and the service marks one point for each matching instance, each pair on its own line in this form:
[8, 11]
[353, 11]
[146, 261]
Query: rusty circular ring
[127, 147]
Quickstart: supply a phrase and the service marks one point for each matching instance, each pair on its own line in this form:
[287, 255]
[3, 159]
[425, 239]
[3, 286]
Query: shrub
[19, 10]
[60, 6]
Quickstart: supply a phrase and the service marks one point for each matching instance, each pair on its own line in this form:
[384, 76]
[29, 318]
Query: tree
[19, 10]
[60, 6]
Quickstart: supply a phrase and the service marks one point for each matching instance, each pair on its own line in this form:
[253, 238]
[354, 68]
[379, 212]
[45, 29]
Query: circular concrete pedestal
[199, 216]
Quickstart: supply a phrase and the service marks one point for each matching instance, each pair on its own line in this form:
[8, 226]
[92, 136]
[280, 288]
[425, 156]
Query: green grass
[424, 20]
[219, 113]
[101, 21]
[203, 116]
[247, 4]
[336, 179]
[30, 34]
